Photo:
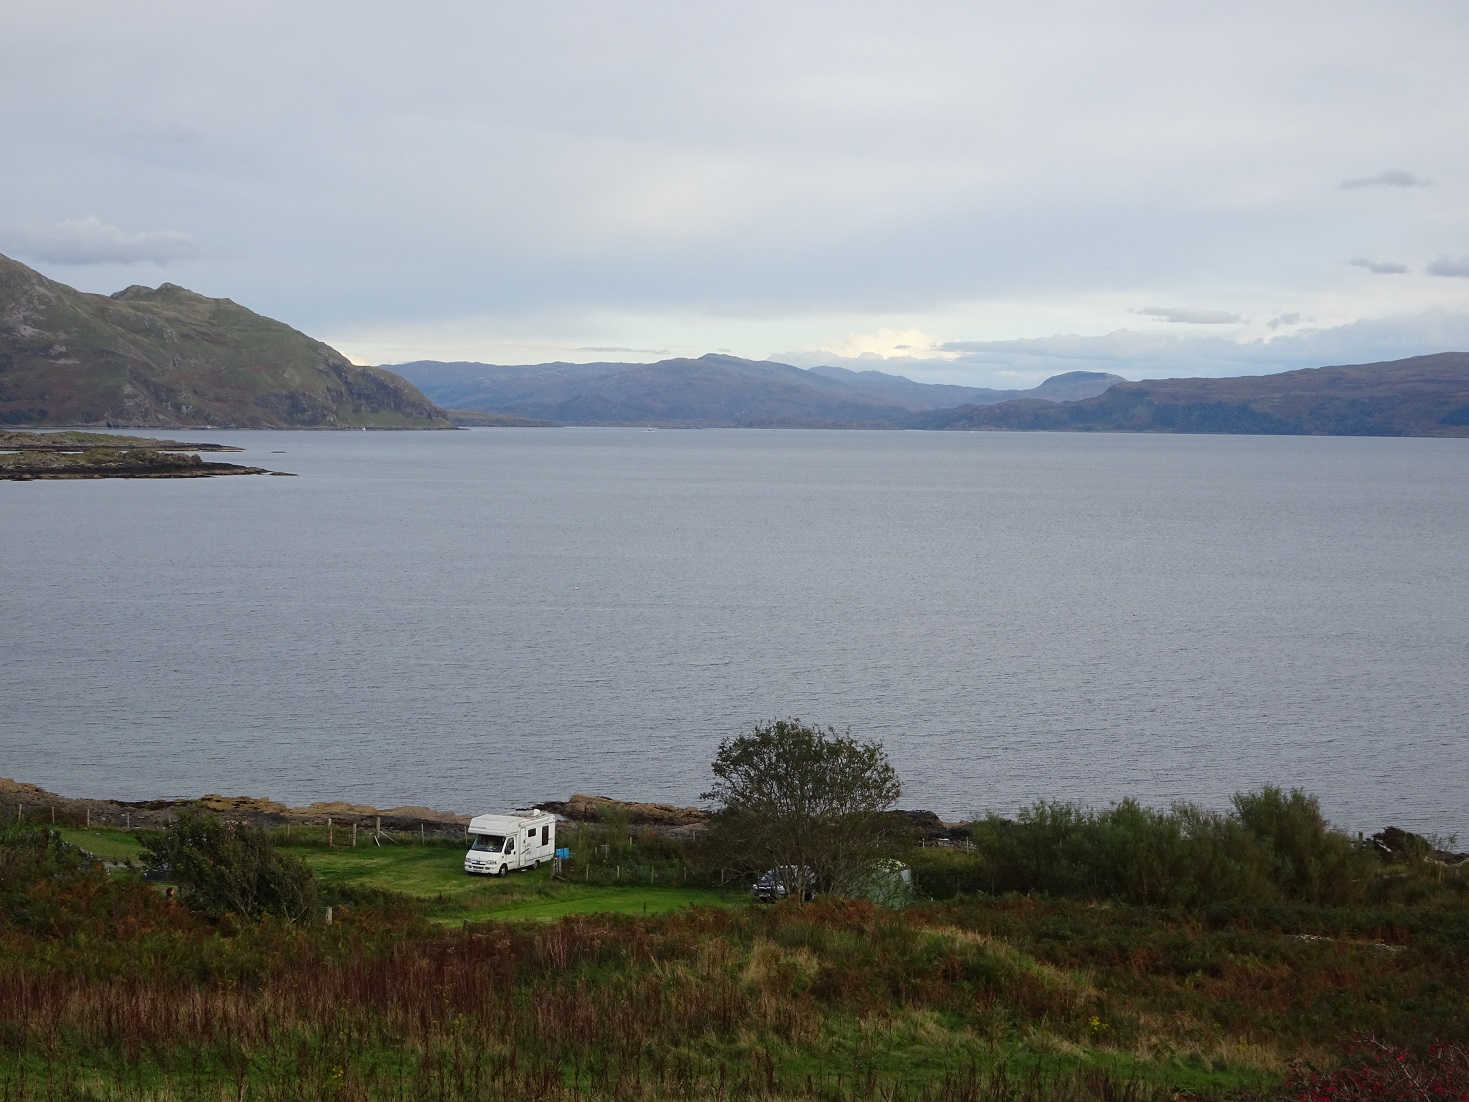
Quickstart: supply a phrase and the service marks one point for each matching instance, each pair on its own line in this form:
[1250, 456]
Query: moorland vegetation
[1069, 953]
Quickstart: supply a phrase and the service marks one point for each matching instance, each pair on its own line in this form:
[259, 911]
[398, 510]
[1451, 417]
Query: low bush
[37, 866]
[1307, 858]
[228, 868]
[1375, 1071]
[942, 873]
[1273, 846]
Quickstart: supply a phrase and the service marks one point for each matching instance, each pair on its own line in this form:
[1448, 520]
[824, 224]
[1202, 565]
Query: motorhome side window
[509, 845]
[545, 835]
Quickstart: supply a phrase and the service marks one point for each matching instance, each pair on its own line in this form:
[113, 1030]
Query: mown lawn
[434, 875]
[104, 843]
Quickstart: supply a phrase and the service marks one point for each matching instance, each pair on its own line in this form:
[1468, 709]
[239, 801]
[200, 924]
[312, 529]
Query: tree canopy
[796, 796]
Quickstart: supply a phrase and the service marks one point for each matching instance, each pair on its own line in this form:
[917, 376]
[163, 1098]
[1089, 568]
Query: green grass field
[104, 843]
[433, 875]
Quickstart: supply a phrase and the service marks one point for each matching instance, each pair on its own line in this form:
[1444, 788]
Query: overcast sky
[963, 192]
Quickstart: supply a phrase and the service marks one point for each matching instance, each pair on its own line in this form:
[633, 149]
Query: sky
[970, 192]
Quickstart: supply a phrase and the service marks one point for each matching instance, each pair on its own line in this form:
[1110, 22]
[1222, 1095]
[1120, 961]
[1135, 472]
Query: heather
[1277, 987]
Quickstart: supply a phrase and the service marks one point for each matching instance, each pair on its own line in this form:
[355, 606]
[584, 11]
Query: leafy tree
[794, 797]
[228, 868]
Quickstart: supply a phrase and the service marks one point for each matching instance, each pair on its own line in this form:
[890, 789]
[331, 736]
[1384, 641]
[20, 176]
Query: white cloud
[1136, 354]
[888, 344]
[89, 240]
[758, 177]
[1392, 177]
[1378, 267]
[1186, 316]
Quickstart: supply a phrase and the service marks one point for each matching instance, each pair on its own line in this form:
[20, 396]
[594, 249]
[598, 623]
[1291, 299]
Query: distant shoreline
[37, 804]
[33, 803]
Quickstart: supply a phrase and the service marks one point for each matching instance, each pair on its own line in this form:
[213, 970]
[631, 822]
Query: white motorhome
[515, 840]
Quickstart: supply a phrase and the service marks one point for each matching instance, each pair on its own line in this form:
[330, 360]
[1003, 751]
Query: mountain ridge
[168, 357]
[713, 390]
[1416, 396]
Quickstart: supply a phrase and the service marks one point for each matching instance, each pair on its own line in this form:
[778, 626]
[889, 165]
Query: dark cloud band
[1392, 177]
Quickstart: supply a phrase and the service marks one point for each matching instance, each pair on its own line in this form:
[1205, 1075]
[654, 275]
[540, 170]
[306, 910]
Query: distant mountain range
[712, 391]
[1421, 396]
[167, 357]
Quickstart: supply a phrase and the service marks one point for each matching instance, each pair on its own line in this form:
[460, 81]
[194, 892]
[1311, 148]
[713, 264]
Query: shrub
[941, 873]
[1385, 1073]
[33, 855]
[1309, 860]
[1273, 846]
[227, 868]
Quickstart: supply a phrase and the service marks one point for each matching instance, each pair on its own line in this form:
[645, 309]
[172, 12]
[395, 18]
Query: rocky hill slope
[166, 357]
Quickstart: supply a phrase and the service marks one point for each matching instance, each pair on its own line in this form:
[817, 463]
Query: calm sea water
[474, 619]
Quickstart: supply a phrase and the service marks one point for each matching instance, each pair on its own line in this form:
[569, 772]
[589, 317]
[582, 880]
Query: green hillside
[167, 357]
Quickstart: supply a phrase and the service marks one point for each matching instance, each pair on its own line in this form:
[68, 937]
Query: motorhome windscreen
[488, 843]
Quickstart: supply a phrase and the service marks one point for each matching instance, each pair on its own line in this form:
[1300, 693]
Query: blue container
[563, 855]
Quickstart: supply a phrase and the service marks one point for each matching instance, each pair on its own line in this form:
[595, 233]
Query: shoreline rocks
[39, 805]
[36, 804]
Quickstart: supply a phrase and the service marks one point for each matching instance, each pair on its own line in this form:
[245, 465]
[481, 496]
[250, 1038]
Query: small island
[27, 456]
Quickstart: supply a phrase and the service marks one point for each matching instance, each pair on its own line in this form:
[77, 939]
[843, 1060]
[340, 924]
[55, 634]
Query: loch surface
[476, 619]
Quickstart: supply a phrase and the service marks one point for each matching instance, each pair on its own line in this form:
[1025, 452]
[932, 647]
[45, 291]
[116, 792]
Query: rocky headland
[27, 456]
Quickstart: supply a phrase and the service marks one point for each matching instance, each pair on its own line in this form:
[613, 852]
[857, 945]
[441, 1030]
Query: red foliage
[1377, 1071]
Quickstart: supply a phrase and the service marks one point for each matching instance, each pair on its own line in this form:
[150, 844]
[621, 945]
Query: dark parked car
[784, 881]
